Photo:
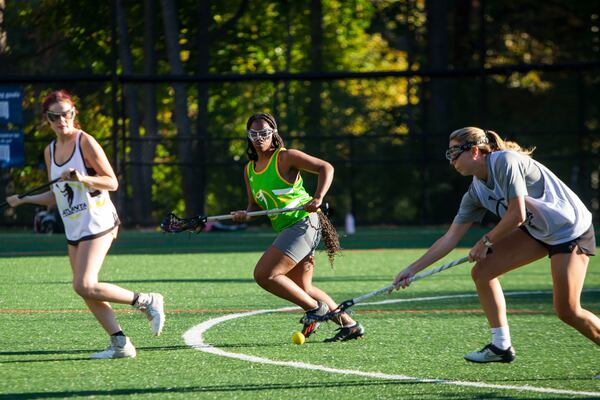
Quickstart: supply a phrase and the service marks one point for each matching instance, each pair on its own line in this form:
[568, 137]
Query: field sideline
[227, 338]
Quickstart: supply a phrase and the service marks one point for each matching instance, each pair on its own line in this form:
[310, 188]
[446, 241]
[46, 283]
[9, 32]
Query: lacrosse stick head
[173, 224]
[344, 305]
[333, 314]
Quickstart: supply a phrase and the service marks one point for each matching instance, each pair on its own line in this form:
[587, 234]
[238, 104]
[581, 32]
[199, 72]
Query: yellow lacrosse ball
[298, 338]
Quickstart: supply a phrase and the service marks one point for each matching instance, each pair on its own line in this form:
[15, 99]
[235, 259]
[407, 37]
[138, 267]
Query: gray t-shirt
[517, 175]
[554, 214]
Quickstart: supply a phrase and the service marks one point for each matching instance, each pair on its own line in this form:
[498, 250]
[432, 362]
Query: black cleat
[347, 333]
[491, 353]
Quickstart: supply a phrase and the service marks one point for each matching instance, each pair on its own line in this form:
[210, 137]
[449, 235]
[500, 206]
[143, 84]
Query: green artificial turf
[46, 336]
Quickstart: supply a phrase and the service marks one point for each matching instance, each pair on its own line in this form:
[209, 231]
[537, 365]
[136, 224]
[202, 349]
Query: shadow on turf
[210, 389]
[262, 388]
[46, 352]
[87, 352]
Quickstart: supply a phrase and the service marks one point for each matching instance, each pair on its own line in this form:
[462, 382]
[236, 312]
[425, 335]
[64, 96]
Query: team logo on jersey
[260, 197]
[71, 210]
[500, 205]
[67, 192]
[266, 201]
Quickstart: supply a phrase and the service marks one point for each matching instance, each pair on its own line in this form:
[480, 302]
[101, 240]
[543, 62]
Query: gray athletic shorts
[300, 239]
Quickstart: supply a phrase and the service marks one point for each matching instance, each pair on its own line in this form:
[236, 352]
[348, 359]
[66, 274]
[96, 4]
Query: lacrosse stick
[344, 305]
[44, 186]
[173, 224]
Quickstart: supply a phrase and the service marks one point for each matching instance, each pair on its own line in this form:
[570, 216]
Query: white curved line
[194, 338]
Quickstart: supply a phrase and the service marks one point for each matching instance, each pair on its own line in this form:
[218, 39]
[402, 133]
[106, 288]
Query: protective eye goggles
[455, 151]
[262, 134]
[55, 116]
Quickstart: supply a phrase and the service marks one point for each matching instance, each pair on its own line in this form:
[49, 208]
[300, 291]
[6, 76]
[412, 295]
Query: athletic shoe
[152, 304]
[309, 319]
[119, 347]
[491, 353]
[355, 331]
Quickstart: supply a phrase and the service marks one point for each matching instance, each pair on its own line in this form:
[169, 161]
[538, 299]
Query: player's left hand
[71, 175]
[313, 205]
[478, 252]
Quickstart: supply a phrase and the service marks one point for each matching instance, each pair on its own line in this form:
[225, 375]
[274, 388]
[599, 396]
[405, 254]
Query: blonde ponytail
[488, 141]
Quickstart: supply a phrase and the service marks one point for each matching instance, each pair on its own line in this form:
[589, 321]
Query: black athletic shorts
[585, 244]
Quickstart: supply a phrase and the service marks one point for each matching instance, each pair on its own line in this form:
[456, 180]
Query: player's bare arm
[293, 161]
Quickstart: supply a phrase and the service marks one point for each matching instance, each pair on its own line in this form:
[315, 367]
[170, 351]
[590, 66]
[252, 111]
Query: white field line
[193, 338]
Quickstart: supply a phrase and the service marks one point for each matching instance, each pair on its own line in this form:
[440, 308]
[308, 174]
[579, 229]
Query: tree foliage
[385, 136]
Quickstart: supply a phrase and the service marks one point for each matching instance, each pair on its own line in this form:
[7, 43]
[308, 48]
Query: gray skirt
[300, 239]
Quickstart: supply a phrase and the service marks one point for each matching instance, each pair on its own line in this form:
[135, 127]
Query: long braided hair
[328, 232]
[330, 237]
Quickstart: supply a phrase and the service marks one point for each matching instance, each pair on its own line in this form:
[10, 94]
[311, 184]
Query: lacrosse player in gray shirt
[539, 216]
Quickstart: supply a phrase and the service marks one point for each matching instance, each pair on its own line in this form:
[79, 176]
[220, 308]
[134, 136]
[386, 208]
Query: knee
[478, 274]
[566, 312]
[262, 276]
[83, 288]
[481, 274]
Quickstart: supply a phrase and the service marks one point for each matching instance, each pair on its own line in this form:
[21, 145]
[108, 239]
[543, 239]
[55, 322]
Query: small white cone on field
[350, 225]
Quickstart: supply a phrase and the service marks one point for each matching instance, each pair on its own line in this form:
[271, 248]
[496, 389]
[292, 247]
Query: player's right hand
[14, 200]
[239, 215]
[402, 280]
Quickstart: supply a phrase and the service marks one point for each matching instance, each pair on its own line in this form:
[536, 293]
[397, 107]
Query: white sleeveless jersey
[86, 213]
[557, 216]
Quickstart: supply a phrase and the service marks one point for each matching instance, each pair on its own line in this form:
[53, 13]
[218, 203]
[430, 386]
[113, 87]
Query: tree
[316, 65]
[3, 43]
[141, 193]
[187, 146]
[150, 109]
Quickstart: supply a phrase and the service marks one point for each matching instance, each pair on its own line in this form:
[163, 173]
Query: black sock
[120, 333]
[135, 298]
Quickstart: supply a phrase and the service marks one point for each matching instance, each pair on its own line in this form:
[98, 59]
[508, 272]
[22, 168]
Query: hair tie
[485, 139]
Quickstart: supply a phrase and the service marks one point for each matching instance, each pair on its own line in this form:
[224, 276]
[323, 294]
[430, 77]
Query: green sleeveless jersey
[270, 190]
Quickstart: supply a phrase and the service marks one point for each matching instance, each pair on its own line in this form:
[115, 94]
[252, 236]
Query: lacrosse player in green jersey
[273, 180]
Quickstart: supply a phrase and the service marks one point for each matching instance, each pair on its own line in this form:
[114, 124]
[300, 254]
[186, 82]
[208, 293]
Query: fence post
[115, 100]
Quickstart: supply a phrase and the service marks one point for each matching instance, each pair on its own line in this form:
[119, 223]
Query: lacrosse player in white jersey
[90, 220]
[539, 216]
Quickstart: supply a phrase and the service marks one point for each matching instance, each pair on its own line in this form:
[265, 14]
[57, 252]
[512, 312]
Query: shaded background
[374, 87]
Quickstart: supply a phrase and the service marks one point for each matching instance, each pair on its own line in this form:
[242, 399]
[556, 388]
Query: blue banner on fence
[11, 105]
[12, 149]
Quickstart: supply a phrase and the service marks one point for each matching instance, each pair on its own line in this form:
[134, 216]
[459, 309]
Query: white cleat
[491, 353]
[119, 347]
[152, 304]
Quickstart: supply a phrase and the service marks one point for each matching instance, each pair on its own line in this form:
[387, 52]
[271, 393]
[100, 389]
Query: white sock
[501, 337]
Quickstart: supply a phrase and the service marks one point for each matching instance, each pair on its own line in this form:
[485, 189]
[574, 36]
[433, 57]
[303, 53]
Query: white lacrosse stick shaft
[414, 278]
[255, 213]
